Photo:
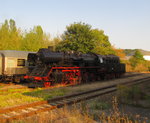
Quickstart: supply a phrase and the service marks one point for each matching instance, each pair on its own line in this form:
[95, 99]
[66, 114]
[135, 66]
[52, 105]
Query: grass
[14, 97]
[47, 94]
[8, 91]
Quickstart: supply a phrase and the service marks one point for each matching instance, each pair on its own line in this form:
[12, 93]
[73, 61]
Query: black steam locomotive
[71, 67]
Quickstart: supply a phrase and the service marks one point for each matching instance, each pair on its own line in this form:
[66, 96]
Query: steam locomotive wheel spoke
[47, 84]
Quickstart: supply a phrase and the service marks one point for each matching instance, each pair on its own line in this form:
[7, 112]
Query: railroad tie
[47, 106]
[32, 109]
[25, 111]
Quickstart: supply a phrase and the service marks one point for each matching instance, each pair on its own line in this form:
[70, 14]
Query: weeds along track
[26, 110]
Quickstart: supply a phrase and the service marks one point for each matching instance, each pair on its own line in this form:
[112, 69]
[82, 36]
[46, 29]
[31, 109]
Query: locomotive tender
[13, 65]
[71, 67]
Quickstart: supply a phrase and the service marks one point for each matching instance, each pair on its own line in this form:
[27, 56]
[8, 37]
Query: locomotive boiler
[71, 67]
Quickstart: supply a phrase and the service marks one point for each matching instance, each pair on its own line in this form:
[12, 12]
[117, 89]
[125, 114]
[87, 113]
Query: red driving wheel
[47, 84]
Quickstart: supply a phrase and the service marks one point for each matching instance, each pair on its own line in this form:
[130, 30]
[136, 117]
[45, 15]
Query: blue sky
[126, 22]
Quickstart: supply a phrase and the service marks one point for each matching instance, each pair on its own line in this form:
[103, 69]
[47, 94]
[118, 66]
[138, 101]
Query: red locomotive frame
[71, 75]
[74, 75]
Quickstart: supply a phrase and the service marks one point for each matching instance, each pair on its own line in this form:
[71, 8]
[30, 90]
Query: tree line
[13, 38]
[78, 37]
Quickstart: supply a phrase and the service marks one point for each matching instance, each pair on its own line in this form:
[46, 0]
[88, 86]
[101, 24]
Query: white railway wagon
[13, 65]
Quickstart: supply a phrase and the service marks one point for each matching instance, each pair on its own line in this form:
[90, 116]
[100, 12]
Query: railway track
[26, 110]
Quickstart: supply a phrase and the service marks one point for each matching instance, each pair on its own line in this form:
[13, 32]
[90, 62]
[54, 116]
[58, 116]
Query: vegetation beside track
[134, 95]
[13, 97]
[47, 94]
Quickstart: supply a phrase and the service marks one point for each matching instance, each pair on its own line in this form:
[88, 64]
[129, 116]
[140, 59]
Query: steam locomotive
[51, 67]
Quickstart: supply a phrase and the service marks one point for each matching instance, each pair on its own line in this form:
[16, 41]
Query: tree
[81, 37]
[136, 59]
[15, 37]
[35, 39]
[55, 41]
[101, 43]
[4, 35]
[77, 37]
[10, 36]
[138, 55]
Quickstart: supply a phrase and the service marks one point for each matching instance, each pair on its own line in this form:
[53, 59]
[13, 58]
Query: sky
[126, 22]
